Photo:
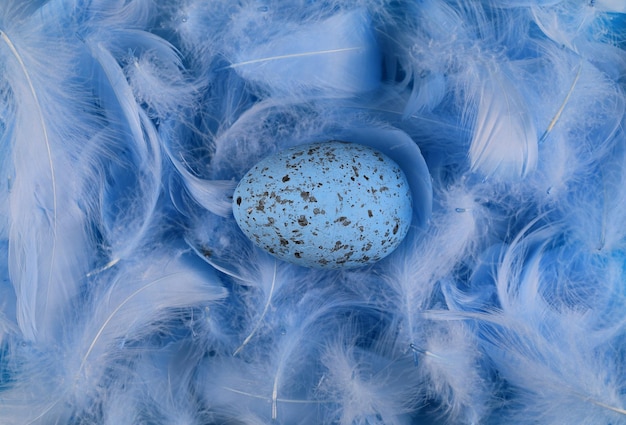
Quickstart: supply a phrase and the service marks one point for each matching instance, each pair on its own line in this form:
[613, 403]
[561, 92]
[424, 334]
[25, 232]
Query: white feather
[130, 200]
[277, 380]
[365, 386]
[414, 270]
[49, 244]
[159, 82]
[450, 362]
[557, 356]
[213, 195]
[337, 56]
[504, 142]
[142, 296]
[564, 360]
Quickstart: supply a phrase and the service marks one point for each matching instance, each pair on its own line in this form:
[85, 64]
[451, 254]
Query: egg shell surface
[325, 205]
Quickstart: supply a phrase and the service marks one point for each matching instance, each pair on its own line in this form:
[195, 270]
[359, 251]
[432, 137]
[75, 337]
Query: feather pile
[128, 295]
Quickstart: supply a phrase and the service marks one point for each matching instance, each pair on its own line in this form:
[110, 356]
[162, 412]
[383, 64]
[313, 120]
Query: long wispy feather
[213, 195]
[553, 340]
[49, 242]
[269, 282]
[134, 174]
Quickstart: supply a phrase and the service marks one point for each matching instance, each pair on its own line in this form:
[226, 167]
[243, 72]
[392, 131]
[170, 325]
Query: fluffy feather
[548, 341]
[135, 173]
[116, 321]
[454, 373]
[158, 81]
[434, 29]
[411, 281]
[279, 385]
[365, 385]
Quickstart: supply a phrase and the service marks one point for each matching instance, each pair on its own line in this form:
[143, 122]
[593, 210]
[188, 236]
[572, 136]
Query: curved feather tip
[129, 295]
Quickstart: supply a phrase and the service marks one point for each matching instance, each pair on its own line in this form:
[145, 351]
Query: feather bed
[129, 295]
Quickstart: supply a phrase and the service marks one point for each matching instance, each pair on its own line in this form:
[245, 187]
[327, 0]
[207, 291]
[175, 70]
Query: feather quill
[337, 56]
[278, 385]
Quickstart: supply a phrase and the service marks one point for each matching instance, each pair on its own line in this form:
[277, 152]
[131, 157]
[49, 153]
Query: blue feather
[504, 141]
[48, 235]
[332, 57]
[118, 319]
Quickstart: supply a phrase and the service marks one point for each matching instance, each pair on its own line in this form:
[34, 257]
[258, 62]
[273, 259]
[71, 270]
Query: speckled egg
[325, 205]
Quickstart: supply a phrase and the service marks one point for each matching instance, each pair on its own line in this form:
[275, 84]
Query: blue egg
[325, 205]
